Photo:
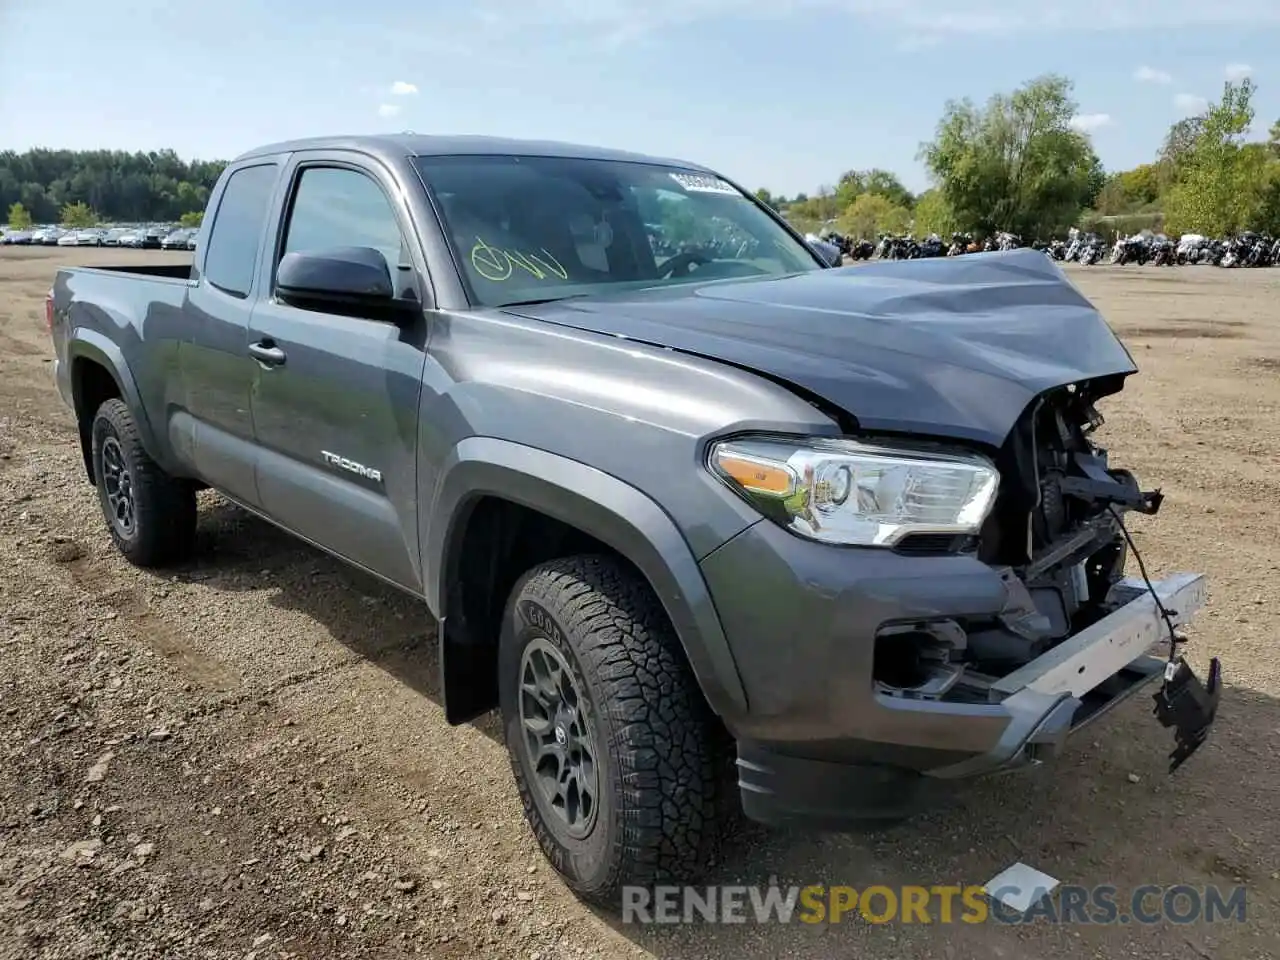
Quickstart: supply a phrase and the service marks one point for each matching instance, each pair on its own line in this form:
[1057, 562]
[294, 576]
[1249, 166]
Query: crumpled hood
[954, 347]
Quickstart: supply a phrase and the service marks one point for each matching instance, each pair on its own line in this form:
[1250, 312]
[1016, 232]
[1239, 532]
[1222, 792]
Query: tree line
[1017, 164]
[1013, 164]
[57, 186]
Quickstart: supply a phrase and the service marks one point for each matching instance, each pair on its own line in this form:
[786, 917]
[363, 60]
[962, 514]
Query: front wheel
[615, 752]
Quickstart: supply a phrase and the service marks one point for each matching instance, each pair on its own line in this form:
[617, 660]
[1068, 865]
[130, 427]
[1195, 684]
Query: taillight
[48, 311]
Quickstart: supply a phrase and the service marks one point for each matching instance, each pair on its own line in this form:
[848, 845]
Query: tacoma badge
[350, 465]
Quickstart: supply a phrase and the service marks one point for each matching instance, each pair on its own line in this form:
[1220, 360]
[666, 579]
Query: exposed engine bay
[1054, 535]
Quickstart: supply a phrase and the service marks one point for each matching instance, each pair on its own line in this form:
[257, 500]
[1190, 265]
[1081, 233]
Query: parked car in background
[178, 240]
[22, 237]
[112, 237]
[130, 238]
[68, 240]
[153, 238]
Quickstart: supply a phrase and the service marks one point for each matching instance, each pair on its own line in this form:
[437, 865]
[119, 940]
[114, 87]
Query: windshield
[542, 228]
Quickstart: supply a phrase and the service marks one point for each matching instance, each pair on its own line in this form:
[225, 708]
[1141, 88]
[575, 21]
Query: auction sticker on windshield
[701, 184]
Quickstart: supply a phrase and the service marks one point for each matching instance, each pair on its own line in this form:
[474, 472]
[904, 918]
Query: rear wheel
[151, 515]
[615, 752]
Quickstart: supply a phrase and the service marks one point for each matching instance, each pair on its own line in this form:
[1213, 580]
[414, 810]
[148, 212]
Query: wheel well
[500, 541]
[91, 386]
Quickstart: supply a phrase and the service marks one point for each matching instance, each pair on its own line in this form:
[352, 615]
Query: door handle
[267, 353]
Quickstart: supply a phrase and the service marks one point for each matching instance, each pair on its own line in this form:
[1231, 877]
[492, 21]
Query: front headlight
[844, 491]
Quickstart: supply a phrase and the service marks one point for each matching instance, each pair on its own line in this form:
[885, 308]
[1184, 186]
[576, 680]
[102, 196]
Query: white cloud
[1189, 104]
[388, 109]
[402, 88]
[1235, 72]
[620, 21]
[1145, 74]
[1087, 122]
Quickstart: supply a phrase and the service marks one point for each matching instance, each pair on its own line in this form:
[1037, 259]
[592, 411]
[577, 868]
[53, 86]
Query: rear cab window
[235, 239]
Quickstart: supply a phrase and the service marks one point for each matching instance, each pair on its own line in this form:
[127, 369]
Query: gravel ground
[246, 757]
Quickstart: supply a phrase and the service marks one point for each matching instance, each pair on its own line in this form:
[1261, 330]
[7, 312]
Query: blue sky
[781, 93]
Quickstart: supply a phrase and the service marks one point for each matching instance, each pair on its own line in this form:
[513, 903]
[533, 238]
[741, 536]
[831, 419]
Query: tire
[657, 746]
[159, 526]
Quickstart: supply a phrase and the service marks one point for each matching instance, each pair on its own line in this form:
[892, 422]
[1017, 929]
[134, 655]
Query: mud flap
[468, 673]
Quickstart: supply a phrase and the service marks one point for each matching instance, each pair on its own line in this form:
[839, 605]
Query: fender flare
[86, 344]
[599, 504]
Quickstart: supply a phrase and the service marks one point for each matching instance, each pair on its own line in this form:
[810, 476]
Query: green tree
[1265, 214]
[77, 215]
[1141, 185]
[155, 185]
[887, 185]
[19, 218]
[192, 218]
[816, 210]
[934, 215]
[1273, 140]
[1016, 164]
[871, 214]
[1112, 199]
[1180, 139]
[1216, 179]
[1131, 190]
[854, 183]
[851, 185]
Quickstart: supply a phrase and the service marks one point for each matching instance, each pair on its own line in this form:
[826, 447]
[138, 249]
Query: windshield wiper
[535, 302]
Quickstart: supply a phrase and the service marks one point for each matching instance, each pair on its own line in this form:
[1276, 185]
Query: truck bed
[154, 271]
[107, 310]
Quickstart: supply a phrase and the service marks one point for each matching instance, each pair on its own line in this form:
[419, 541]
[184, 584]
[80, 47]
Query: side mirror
[829, 252]
[352, 277]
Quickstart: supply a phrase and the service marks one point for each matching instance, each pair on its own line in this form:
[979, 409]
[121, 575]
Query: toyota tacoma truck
[719, 528]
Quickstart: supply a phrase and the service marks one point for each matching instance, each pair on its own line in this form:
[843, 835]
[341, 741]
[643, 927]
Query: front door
[335, 402]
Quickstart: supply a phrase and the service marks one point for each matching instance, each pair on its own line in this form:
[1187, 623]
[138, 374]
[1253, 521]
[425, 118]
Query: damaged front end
[1055, 532]
[1075, 635]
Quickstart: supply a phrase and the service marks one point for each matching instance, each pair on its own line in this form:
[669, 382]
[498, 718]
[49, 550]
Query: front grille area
[1030, 511]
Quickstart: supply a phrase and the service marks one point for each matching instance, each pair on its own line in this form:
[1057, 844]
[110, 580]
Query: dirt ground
[246, 757]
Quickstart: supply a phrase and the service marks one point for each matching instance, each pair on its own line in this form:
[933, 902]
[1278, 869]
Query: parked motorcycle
[1130, 250]
[861, 250]
[931, 246]
[1162, 251]
[1091, 250]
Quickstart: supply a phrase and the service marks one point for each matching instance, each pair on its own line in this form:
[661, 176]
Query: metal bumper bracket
[1082, 662]
[1043, 697]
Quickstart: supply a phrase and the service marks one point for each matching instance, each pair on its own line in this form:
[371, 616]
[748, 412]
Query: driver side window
[340, 207]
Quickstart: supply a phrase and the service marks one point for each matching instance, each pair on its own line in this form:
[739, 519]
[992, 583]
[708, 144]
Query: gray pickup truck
[688, 504]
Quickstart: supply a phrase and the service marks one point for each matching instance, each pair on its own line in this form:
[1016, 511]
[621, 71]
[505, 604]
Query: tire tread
[661, 732]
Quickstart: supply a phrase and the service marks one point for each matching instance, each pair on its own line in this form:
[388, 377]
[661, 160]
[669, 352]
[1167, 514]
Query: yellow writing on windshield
[496, 264]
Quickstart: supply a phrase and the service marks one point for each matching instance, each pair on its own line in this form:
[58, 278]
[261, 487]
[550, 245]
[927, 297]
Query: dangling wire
[1174, 639]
